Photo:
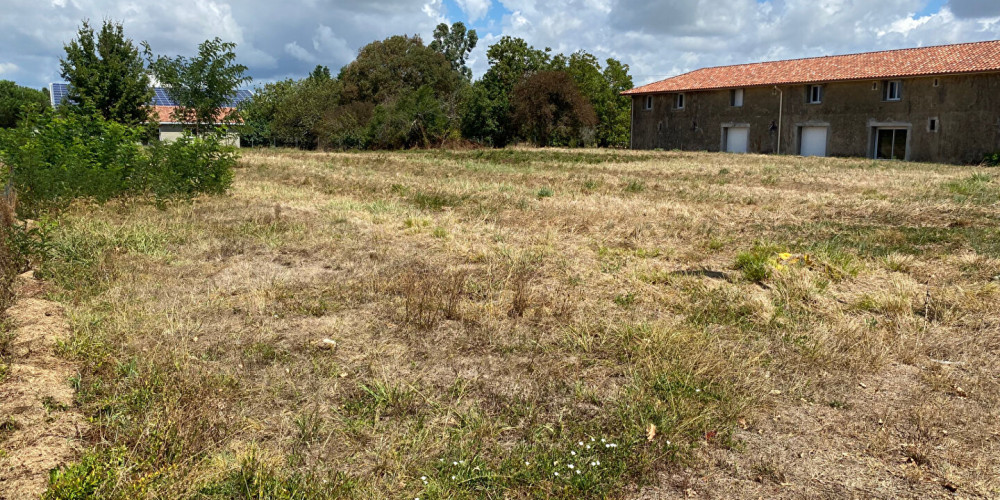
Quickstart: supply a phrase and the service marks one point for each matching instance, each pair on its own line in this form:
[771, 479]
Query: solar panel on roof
[60, 92]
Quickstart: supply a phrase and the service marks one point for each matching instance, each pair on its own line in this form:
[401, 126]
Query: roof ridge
[944, 59]
[886, 51]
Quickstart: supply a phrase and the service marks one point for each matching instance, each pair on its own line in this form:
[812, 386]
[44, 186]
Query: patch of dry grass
[497, 316]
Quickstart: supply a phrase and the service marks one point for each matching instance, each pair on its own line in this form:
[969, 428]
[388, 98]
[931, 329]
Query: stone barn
[939, 104]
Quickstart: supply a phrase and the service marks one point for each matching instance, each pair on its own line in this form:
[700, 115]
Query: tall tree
[616, 117]
[550, 110]
[320, 73]
[107, 73]
[203, 86]
[16, 100]
[603, 89]
[385, 69]
[511, 60]
[455, 43]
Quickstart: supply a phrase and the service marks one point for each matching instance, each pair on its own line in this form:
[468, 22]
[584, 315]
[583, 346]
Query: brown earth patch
[41, 426]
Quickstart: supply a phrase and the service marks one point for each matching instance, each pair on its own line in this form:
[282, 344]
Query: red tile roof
[164, 114]
[940, 60]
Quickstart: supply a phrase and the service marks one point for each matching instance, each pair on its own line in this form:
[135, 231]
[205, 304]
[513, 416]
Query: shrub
[187, 166]
[57, 156]
[757, 263]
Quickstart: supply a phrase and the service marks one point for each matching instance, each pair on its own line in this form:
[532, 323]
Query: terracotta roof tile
[938, 60]
[164, 114]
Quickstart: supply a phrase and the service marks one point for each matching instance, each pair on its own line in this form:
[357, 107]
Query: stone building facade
[913, 104]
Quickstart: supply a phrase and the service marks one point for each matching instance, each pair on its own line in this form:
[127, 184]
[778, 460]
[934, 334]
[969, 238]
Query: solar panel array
[57, 93]
[60, 91]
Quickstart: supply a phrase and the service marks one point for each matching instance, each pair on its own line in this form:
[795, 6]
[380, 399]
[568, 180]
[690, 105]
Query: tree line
[401, 93]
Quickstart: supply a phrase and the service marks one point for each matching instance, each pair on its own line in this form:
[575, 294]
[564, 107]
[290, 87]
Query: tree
[385, 69]
[511, 60]
[258, 112]
[603, 90]
[16, 100]
[108, 74]
[615, 118]
[299, 113]
[415, 119]
[455, 44]
[203, 86]
[549, 109]
[320, 73]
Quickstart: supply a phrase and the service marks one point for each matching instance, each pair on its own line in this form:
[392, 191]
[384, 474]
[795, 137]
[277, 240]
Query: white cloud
[7, 68]
[657, 38]
[474, 9]
[296, 51]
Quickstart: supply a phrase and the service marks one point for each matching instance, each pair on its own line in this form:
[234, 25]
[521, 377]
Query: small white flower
[423, 478]
[602, 440]
[555, 463]
[588, 446]
[453, 478]
[578, 472]
[461, 462]
[607, 446]
[668, 442]
[571, 466]
[697, 390]
[555, 473]
[598, 462]
[580, 443]
[527, 463]
[592, 439]
[572, 453]
[454, 463]
[440, 460]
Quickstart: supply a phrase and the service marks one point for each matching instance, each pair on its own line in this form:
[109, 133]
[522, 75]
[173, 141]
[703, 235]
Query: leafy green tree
[615, 116]
[16, 100]
[550, 110]
[603, 89]
[107, 73]
[511, 59]
[258, 113]
[204, 85]
[320, 73]
[298, 117]
[455, 43]
[415, 119]
[386, 69]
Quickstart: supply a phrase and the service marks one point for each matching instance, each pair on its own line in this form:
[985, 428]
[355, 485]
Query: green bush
[187, 166]
[58, 156]
[757, 263]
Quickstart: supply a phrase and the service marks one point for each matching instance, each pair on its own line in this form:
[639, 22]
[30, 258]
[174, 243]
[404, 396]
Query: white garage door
[813, 141]
[736, 139]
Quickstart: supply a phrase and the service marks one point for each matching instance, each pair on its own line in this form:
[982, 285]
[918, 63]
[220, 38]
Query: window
[649, 102]
[736, 98]
[679, 101]
[874, 85]
[893, 90]
[937, 82]
[815, 94]
[932, 125]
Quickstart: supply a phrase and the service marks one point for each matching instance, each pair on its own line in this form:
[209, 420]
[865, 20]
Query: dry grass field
[540, 323]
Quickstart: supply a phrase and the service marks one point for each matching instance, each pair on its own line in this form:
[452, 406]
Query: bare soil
[40, 427]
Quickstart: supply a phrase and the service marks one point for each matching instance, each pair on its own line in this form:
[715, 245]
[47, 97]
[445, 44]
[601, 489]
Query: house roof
[925, 61]
[164, 114]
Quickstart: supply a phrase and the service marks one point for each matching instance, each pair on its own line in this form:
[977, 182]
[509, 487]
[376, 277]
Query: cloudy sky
[656, 38]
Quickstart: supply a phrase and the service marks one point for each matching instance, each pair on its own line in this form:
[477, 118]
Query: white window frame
[736, 98]
[815, 94]
[894, 90]
[679, 99]
[648, 106]
[936, 124]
